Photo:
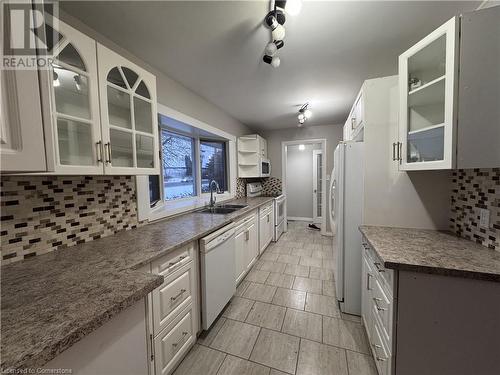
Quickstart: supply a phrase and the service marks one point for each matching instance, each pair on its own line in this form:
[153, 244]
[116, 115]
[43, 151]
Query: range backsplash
[40, 214]
[474, 189]
[271, 186]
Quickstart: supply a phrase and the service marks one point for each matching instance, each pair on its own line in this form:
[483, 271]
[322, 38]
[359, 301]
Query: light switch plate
[484, 218]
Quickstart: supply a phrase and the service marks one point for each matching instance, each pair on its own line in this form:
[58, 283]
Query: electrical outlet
[484, 218]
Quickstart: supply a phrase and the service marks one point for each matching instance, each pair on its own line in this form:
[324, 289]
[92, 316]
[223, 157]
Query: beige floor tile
[320, 359]
[329, 264]
[200, 360]
[260, 292]
[324, 305]
[313, 246]
[301, 252]
[321, 254]
[266, 315]
[270, 257]
[352, 318]
[360, 364]
[276, 372]
[305, 284]
[320, 273]
[290, 298]
[272, 266]
[312, 262]
[240, 289]
[295, 270]
[206, 337]
[236, 338]
[276, 350]
[281, 280]
[303, 324]
[238, 308]
[288, 259]
[257, 276]
[329, 288]
[345, 334]
[281, 250]
[237, 366]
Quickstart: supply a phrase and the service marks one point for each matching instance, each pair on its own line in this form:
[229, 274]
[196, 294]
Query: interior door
[317, 185]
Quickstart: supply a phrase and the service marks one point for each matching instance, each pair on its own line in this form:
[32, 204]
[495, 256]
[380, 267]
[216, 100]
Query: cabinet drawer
[265, 209]
[382, 308]
[172, 297]
[386, 276]
[171, 262]
[381, 353]
[174, 342]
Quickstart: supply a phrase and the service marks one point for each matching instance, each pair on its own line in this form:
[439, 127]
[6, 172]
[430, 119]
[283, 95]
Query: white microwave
[265, 167]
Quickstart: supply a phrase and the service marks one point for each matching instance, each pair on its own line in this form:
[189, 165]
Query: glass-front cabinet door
[427, 84]
[128, 115]
[74, 100]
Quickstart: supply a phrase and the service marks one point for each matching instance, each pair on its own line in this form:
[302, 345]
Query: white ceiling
[215, 49]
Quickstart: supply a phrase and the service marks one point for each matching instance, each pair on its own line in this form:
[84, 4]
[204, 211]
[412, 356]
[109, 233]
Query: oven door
[279, 210]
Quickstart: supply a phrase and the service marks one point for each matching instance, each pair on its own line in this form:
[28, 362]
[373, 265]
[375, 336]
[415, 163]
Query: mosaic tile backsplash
[474, 189]
[271, 186]
[40, 214]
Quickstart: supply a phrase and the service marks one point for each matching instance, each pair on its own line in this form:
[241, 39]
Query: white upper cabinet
[74, 101]
[353, 127]
[128, 115]
[428, 90]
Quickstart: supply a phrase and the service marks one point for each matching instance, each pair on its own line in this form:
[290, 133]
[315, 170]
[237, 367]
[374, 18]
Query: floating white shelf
[427, 128]
[428, 84]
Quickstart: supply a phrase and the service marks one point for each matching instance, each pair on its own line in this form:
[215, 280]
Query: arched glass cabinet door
[128, 105]
[74, 100]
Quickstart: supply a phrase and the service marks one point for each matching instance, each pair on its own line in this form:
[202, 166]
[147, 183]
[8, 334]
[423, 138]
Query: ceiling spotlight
[292, 7]
[273, 47]
[274, 61]
[278, 33]
[301, 116]
[302, 147]
[307, 113]
[56, 82]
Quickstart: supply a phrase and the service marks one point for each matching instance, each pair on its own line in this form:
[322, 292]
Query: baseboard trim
[298, 218]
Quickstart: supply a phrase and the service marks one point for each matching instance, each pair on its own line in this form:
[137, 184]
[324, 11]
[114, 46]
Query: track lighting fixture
[304, 114]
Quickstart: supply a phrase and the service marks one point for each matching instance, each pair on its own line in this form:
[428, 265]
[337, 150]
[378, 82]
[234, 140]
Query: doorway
[303, 170]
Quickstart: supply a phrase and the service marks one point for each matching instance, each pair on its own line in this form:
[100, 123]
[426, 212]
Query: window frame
[165, 208]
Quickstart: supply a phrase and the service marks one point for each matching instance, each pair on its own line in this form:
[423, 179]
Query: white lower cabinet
[246, 245]
[174, 313]
[266, 226]
[377, 308]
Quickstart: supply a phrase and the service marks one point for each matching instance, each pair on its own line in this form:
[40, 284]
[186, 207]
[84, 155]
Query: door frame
[317, 218]
[284, 150]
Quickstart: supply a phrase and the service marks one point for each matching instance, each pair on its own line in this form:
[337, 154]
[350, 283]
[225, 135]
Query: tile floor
[284, 318]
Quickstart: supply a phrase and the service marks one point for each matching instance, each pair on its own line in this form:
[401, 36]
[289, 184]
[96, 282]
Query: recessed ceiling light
[302, 147]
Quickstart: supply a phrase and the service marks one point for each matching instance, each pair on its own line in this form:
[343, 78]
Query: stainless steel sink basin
[223, 209]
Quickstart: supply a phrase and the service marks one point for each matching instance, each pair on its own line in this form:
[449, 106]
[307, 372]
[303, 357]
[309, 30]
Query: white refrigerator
[347, 198]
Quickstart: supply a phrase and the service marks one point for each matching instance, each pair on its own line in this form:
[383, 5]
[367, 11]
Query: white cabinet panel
[22, 147]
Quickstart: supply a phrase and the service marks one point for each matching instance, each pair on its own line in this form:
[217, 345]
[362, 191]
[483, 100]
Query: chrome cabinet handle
[99, 151]
[381, 359]
[376, 300]
[353, 121]
[173, 264]
[377, 264]
[368, 275]
[268, 218]
[247, 235]
[400, 147]
[176, 344]
[107, 153]
[178, 295]
[394, 151]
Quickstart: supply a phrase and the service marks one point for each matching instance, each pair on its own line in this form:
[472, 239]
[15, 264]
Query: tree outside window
[213, 164]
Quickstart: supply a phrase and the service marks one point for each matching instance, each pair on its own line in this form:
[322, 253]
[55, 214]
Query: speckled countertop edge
[437, 252]
[42, 298]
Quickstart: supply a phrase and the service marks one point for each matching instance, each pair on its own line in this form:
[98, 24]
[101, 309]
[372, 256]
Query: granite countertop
[52, 301]
[432, 251]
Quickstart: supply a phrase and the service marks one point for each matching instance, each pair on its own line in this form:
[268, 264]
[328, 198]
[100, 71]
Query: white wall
[332, 134]
[170, 92]
[299, 184]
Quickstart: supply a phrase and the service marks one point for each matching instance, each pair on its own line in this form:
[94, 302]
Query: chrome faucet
[217, 190]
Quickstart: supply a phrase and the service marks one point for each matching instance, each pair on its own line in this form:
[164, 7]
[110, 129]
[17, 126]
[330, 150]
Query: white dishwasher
[218, 282]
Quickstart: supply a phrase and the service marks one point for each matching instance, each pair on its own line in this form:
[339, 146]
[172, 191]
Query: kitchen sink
[223, 209]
